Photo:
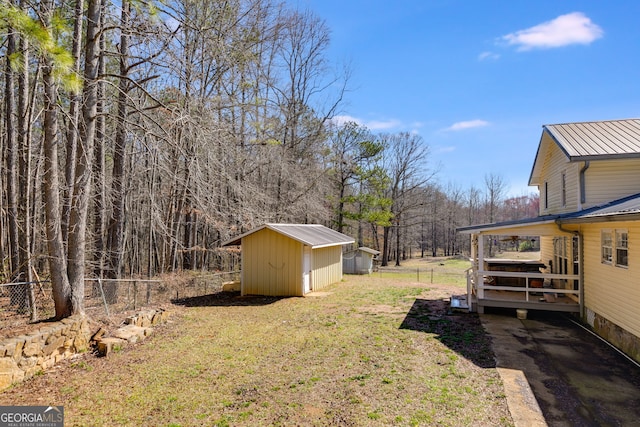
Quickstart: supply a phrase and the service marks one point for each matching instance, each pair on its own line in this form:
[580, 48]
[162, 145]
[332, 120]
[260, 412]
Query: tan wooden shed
[289, 259]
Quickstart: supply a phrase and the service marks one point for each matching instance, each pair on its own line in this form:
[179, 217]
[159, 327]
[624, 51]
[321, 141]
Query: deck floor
[537, 301]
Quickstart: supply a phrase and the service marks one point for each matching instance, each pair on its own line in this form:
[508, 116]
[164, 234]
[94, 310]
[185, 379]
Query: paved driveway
[577, 379]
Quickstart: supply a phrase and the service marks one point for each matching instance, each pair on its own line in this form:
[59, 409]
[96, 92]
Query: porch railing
[479, 286]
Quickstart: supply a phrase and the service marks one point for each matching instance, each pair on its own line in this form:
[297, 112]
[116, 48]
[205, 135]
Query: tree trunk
[11, 170]
[398, 241]
[84, 160]
[25, 199]
[116, 224]
[57, 260]
[73, 117]
[99, 211]
[385, 245]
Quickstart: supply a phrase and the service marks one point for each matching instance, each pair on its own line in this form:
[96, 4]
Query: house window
[622, 240]
[564, 189]
[615, 247]
[607, 249]
[546, 195]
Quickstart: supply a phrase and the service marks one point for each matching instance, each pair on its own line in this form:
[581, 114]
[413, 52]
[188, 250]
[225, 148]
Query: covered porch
[548, 278]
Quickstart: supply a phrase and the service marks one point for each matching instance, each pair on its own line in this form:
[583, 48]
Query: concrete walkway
[558, 374]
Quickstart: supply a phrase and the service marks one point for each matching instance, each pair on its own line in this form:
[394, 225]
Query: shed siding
[608, 180]
[613, 292]
[327, 267]
[271, 264]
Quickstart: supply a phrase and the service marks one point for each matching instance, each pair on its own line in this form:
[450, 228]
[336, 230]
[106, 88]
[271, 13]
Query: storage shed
[359, 261]
[289, 259]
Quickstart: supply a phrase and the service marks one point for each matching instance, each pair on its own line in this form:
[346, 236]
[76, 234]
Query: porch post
[581, 276]
[474, 252]
[480, 266]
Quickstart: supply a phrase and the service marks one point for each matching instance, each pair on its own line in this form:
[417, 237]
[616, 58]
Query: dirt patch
[380, 309]
[318, 294]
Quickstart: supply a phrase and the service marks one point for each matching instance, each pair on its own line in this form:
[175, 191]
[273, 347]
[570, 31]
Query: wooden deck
[523, 295]
[549, 301]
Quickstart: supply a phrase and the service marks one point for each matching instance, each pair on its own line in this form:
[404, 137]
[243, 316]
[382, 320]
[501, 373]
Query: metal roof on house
[627, 208]
[470, 229]
[620, 210]
[598, 140]
[314, 235]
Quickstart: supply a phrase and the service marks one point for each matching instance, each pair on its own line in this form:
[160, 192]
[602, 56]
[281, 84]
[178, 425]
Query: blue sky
[478, 79]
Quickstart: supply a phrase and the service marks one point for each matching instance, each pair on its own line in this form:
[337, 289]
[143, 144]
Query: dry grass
[370, 352]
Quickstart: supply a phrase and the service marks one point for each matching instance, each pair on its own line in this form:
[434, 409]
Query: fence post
[418, 273]
[432, 276]
[135, 294]
[32, 302]
[104, 299]
[148, 292]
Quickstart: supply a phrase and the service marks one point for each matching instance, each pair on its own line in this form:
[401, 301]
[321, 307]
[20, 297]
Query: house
[588, 176]
[289, 259]
[359, 261]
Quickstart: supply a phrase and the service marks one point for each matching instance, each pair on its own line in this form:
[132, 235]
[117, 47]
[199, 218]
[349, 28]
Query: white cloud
[340, 120]
[371, 125]
[484, 56]
[467, 125]
[445, 149]
[572, 28]
[382, 125]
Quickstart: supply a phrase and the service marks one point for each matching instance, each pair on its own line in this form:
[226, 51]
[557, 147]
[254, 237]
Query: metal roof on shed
[602, 139]
[314, 235]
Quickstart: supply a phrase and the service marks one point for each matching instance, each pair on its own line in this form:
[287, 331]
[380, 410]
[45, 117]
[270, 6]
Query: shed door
[306, 269]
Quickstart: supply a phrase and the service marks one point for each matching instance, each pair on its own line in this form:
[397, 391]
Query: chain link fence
[25, 302]
[423, 275]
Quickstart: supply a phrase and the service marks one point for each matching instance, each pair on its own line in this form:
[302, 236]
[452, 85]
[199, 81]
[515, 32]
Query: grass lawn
[371, 351]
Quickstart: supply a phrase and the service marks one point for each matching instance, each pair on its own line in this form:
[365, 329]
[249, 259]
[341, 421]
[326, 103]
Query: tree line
[136, 136]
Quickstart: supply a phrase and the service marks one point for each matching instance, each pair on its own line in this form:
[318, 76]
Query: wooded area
[137, 136]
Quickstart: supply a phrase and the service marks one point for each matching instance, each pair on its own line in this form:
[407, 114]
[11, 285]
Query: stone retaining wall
[27, 355]
[136, 328]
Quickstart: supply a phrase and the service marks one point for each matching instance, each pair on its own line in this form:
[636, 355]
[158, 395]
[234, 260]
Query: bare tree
[406, 164]
[495, 188]
[214, 121]
[116, 222]
[73, 115]
[77, 243]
